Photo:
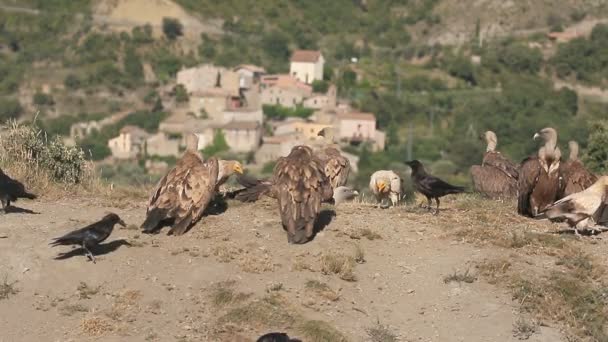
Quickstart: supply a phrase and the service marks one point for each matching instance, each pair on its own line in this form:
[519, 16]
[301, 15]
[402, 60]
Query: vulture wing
[529, 172]
[499, 161]
[492, 182]
[300, 185]
[337, 167]
[576, 177]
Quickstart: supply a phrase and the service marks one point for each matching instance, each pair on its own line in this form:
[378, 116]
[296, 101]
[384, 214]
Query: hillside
[435, 73]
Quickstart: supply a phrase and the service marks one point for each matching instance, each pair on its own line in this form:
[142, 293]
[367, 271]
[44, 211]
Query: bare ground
[233, 277]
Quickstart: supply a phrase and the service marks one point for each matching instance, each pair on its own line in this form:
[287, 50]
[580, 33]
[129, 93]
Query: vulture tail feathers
[180, 227]
[254, 193]
[153, 219]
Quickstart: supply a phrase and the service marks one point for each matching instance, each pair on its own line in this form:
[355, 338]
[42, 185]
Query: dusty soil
[165, 288]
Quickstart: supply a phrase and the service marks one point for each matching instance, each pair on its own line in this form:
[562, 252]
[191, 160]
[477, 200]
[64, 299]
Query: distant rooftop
[242, 125]
[357, 116]
[306, 56]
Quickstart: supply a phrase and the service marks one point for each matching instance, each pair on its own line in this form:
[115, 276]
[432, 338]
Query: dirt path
[161, 288]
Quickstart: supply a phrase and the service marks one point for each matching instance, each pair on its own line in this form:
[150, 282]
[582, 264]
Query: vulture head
[343, 194]
[230, 167]
[491, 140]
[573, 147]
[300, 151]
[382, 186]
[192, 142]
[548, 134]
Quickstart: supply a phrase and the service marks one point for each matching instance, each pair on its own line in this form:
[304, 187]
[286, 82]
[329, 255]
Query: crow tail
[28, 195]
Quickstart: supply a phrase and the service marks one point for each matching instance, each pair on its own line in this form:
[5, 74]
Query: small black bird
[277, 337]
[431, 186]
[11, 190]
[91, 235]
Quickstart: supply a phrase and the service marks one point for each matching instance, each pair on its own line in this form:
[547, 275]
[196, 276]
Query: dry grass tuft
[270, 311]
[359, 233]
[7, 289]
[465, 277]
[96, 326]
[523, 328]
[359, 254]
[322, 289]
[381, 333]
[340, 264]
[319, 331]
[72, 309]
[85, 291]
[493, 269]
[223, 294]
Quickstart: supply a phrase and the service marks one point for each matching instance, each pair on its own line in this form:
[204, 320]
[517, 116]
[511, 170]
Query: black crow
[91, 235]
[430, 186]
[11, 190]
[277, 337]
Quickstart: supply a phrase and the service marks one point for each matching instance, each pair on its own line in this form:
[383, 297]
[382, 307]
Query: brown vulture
[184, 193]
[540, 180]
[496, 177]
[336, 166]
[576, 177]
[429, 185]
[299, 184]
[579, 208]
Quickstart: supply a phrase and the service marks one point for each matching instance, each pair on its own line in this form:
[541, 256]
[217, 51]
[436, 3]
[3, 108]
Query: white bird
[386, 184]
[344, 194]
[581, 207]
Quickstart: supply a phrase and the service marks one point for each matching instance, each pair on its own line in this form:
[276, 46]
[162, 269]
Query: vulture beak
[536, 136]
[321, 133]
[356, 193]
[122, 223]
[238, 169]
[381, 186]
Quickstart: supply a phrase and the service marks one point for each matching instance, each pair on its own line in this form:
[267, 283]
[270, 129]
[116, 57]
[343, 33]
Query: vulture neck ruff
[573, 147]
[491, 141]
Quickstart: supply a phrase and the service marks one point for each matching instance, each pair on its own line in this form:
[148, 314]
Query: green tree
[596, 157]
[72, 82]
[133, 65]
[319, 86]
[42, 99]
[218, 145]
[275, 44]
[172, 28]
[10, 109]
[181, 94]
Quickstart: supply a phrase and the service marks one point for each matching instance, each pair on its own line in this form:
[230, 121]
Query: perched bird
[336, 166]
[299, 184]
[496, 177]
[226, 169]
[540, 180]
[344, 194]
[91, 235]
[430, 186]
[386, 184]
[183, 194]
[11, 190]
[277, 337]
[576, 177]
[581, 207]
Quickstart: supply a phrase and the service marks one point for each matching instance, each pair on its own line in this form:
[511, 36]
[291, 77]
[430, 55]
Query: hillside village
[229, 102]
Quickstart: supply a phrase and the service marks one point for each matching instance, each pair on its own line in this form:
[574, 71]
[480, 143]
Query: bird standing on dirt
[11, 190]
[277, 337]
[581, 207]
[227, 168]
[91, 235]
[431, 186]
[576, 177]
[385, 184]
[184, 193]
[335, 165]
[496, 177]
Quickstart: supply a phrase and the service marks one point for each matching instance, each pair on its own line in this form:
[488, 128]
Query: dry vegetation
[7, 289]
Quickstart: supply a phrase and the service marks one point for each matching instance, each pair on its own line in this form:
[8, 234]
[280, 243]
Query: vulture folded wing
[337, 167]
[576, 178]
[499, 161]
[528, 177]
[194, 192]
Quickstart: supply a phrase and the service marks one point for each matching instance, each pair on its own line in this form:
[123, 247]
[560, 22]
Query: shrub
[172, 28]
[28, 148]
[42, 99]
[9, 109]
[218, 145]
[320, 86]
[181, 95]
[72, 82]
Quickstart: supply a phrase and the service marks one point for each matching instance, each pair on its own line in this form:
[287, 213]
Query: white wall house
[307, 65]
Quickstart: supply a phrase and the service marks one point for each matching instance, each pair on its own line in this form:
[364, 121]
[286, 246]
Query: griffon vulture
[497, 175]
[300, 185]
[431, 186]
[336, 166]
[11, 190]
[385, 184]
[184, 193]
[91, 235]
[576, 177]
[540, 180]
[581, 207]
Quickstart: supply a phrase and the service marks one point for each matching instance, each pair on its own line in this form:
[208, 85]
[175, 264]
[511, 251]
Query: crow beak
[536, 136]
[122, 223]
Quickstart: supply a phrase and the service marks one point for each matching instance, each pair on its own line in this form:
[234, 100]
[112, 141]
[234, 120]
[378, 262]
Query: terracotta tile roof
[357, 116]
[305, 56]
